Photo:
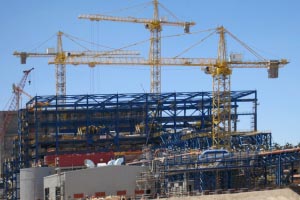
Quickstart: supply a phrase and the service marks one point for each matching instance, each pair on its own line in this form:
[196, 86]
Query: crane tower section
[221, 102]
[155, 51]
[154, 25]
[60, 67]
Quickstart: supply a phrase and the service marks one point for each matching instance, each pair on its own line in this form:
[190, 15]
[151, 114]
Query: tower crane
[60, 57]
[219, 68]
[14, 102]
[60, 66]
[155, 27]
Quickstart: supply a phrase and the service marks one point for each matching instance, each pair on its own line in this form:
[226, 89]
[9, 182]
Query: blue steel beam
[156, 113]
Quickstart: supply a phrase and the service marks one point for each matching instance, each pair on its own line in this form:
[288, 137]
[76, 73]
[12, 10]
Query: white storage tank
[32, 182]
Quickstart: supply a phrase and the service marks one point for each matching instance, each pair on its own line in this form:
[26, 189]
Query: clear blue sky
[271, 28]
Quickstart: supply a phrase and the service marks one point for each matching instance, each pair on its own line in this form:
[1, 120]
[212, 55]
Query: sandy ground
[279, 194]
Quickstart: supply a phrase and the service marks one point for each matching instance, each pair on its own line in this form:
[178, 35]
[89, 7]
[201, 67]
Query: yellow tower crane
[155, 27]
[219, 68]
[60, 56]
[60, 67]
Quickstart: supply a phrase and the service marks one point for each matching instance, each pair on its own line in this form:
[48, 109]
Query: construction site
[144, 145]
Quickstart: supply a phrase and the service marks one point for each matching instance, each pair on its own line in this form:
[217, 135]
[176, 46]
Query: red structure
[69, 160]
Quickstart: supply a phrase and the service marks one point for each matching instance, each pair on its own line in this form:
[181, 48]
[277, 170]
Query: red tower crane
[14, 104]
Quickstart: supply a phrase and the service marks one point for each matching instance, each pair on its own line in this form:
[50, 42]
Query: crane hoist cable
[245, 46]
[145, 4]
[194, 45]
[73, 38]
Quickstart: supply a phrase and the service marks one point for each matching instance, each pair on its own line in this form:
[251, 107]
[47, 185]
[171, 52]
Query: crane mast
[60, 67]
[221, 99]
[155, 51]
[155, 27]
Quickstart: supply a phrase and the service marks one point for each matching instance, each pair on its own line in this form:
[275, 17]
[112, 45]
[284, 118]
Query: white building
[99, 181]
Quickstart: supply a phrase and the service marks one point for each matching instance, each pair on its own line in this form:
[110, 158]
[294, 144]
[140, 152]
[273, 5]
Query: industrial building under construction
[152, 144]
[172, 148]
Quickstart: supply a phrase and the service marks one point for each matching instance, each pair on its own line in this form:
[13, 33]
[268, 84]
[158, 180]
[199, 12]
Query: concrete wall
[32, 182]
[108, 179]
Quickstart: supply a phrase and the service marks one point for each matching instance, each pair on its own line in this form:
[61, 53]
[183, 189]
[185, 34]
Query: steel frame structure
[123, 122]
[117, 119]
[10, 170]
[240, 141]
[188, 173]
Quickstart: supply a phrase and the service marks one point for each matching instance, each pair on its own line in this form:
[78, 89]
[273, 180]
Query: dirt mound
[278, 194]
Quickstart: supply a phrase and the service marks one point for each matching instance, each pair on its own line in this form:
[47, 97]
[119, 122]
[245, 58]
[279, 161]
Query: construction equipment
[155, 27]
[60, 57]
[18, 90]
[59, 66]
[219, 68]
[14, 102]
